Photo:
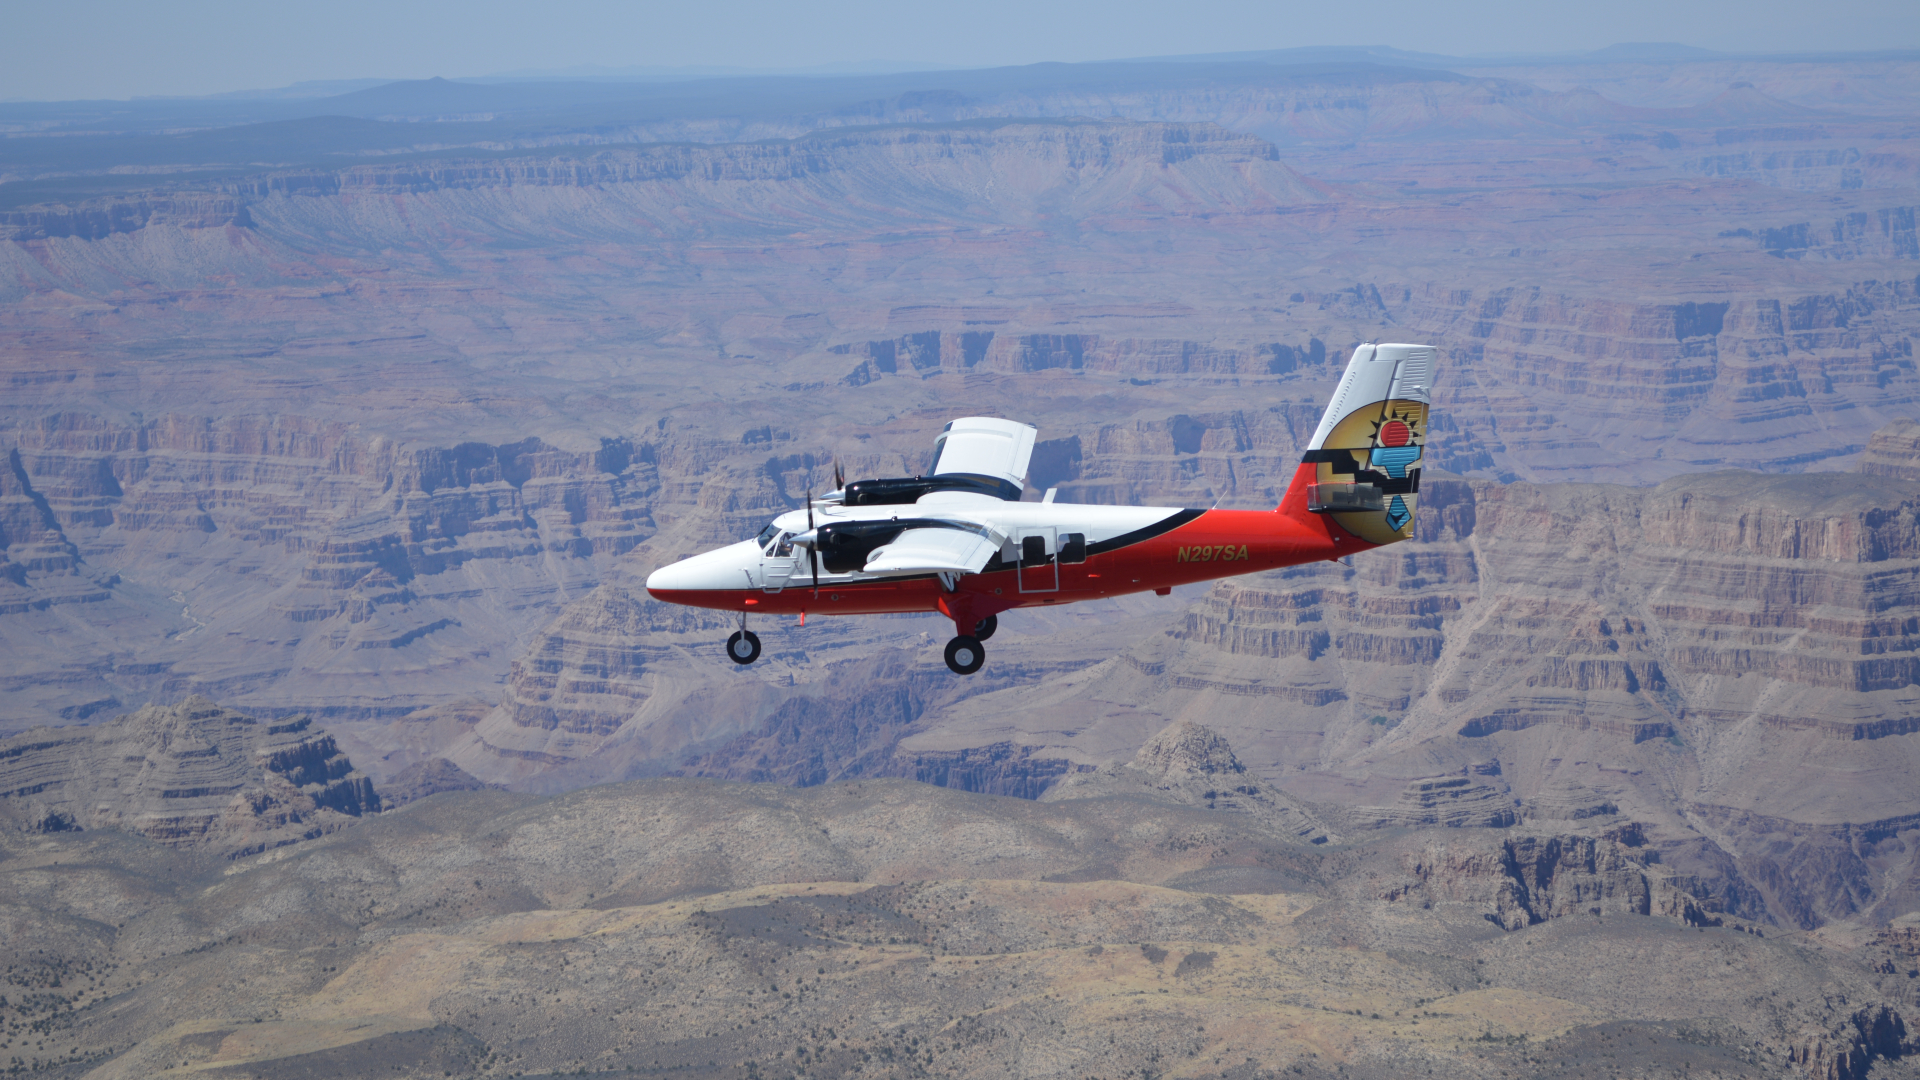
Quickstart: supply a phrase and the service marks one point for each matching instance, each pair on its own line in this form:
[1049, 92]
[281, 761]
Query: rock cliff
[1893, 451]
[374, 574]
[1541, 652]
[1725, 659]
[190, 775]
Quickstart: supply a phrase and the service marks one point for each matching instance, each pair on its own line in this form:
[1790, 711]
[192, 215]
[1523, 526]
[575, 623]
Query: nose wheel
[744, 647]
[965, 655]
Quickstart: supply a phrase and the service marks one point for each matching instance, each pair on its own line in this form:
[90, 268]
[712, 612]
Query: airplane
[960, 542]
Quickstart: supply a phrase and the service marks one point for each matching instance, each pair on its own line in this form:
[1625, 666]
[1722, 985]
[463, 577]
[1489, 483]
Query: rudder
[1362, 467]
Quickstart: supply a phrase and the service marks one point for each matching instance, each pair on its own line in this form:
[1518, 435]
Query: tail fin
[1362, 468]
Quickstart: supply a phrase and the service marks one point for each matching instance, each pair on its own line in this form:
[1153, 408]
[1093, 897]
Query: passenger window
[1073, 547]
[1033, 550]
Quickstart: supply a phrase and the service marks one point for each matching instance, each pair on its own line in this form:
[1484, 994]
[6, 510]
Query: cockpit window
[784, 547]
[766, 536]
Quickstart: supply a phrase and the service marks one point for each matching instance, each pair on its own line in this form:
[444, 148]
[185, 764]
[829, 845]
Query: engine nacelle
[905, 490]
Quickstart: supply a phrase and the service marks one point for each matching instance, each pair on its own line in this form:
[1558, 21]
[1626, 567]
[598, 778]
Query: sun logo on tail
[1396, 430]
[1395, 449]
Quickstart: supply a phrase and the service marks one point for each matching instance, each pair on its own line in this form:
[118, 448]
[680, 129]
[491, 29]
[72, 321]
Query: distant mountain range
[1324, 96]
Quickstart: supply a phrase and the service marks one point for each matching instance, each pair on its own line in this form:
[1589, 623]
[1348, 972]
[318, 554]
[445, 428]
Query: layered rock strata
[1469, 799]
[188, 775]
[1528, 877]
[636, 353]
[1724, 654]
[350, 573]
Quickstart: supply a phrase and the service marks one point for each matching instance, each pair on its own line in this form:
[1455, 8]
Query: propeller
[813, 549]
[839, 477]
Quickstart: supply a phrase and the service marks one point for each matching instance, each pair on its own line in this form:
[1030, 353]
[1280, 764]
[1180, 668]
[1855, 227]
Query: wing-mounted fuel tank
[1368, 448]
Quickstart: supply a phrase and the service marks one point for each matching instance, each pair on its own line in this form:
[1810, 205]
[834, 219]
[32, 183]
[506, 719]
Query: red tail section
[1360, 475]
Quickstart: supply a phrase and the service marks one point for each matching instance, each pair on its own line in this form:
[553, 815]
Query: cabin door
[1039, 570]
[776, 568]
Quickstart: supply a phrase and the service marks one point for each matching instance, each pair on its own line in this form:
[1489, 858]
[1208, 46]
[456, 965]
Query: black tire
[965, 655]
[984, 629]
[743, 647]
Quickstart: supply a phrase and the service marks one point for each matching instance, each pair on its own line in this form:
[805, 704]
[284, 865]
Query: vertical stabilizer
[1362, 468]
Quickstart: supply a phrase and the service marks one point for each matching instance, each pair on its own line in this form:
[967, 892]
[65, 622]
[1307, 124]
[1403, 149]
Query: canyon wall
[396, 443]
[192, 775]
[244, 556]
[1727, 659]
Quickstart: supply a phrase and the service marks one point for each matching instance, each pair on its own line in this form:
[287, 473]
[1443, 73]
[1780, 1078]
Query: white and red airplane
[959, 541]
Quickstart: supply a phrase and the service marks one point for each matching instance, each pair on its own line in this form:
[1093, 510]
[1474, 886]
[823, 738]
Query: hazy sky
[59, 49]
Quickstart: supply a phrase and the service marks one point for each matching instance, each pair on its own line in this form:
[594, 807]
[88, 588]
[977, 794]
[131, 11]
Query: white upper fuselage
[773, 561]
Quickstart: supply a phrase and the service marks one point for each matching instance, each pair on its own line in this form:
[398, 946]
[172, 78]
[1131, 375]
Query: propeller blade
[839, 477]
[813, 551]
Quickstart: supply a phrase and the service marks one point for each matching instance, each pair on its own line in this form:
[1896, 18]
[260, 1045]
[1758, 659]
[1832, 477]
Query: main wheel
[965, 655]
[743, 647]
[984, 629]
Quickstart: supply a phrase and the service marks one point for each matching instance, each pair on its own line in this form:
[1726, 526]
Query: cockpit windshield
[774, 542]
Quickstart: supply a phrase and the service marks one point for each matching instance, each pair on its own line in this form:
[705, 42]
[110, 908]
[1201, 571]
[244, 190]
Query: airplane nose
[726, 568]
[670, 578]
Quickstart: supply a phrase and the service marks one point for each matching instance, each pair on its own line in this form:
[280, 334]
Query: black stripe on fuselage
[802, 580]
[1158, 528]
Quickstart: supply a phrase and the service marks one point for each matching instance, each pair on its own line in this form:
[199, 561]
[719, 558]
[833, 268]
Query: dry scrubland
[1127, 924]
[352, 468]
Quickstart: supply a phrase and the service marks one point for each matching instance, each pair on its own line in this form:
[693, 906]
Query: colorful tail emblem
[1368, 448]
[1394, 450]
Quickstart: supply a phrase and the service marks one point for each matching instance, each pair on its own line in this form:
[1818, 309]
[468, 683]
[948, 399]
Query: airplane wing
[982, 448]
[985, 447]
[955, 549]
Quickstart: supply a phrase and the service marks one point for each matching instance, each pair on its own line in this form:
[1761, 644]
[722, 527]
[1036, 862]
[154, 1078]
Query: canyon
[890, 928]
[331, 478]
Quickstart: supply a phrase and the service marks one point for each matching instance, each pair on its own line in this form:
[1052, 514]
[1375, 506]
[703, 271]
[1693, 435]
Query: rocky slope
[886, 928]
[190, 775]
[1190, 764]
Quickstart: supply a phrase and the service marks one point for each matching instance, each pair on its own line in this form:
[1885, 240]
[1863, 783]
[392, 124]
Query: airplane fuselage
[958, 540]
[1128, 549]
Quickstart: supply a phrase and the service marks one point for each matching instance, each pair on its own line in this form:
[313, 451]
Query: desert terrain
[339, 438]
[1146, 919]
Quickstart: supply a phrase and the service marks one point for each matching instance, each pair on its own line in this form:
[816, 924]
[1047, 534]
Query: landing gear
[985, 627]
[744, 647]
[965, 655]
